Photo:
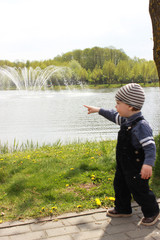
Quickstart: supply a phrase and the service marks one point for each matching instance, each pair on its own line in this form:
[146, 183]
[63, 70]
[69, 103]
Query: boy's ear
[131, 108]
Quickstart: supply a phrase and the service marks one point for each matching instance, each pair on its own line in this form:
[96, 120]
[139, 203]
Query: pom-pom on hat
[131, 94]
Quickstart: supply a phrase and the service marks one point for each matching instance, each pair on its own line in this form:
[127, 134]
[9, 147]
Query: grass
[57, 179]
[51, 180]
[118, 85]
[101, 86]
[156, 173]
[28, 145]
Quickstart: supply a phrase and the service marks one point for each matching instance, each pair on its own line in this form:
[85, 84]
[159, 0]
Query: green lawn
[52, 180]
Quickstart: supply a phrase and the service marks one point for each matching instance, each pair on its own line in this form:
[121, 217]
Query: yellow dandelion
[54, 208]
[98, 202]
[109, 179]
[79, 206]
[67, 185]
[111, 198]
[71, 169]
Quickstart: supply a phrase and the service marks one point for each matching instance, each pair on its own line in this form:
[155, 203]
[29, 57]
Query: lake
[49, 116]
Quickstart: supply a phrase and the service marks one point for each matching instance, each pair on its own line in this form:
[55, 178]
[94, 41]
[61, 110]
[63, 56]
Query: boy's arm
[92, 109]
[111, 115]
[150, 154]
[146, 140]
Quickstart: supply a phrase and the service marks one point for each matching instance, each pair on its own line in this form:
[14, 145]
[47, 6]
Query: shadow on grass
[83, 167]
[17, 187]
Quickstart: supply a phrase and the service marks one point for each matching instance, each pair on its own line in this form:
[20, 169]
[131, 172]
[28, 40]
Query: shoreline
[85, 86]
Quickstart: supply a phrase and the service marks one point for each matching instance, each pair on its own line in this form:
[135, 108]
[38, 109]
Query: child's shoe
[114, 213]
[150, 220]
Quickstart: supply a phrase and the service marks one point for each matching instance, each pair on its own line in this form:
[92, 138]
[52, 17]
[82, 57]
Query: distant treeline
[97, 66]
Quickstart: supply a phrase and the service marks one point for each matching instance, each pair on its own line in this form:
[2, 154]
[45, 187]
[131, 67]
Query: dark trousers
[128, 182]
[126, 187]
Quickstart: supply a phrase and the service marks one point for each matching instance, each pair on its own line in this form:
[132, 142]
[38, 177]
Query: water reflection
[52, 116]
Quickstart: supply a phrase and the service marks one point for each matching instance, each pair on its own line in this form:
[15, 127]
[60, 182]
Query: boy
[135, 155]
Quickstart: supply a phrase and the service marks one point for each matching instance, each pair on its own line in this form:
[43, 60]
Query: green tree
[136, 73]
[67, 57]
[144, 71]
[76, 69]
[77, 55]
[122, 71]
[27, 63]
[87, 60]
[83, 75]
[153, 74]
[96, 75]
[74, 65]
[115, 55]
[109, 71]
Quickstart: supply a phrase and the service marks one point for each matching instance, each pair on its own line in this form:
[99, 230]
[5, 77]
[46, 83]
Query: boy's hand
[146, 171]
[92, 109]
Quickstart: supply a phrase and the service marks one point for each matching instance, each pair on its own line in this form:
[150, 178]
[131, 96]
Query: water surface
[49, 116]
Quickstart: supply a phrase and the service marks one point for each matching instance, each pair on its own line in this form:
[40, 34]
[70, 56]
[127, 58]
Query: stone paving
[87, 225]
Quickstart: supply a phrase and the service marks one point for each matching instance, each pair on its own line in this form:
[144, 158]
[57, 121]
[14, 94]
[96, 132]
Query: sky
[42, 29]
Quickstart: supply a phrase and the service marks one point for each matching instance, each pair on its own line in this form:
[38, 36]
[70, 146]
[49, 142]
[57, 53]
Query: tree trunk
[154, 10]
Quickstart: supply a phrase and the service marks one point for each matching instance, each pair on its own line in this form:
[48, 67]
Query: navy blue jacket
[142, 135]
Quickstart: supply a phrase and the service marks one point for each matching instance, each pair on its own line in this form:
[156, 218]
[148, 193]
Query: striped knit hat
[131, 94]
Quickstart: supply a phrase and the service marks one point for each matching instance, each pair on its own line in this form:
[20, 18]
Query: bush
[157, 162]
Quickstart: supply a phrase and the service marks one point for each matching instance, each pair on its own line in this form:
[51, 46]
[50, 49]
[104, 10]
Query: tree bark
[154, 10]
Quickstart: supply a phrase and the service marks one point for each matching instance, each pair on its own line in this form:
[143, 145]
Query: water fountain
[50, 116]
[29, 78]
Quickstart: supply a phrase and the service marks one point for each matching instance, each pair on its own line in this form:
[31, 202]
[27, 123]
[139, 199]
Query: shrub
[157, 162]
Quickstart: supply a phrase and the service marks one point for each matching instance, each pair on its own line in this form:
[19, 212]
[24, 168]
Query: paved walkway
[81, 226]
